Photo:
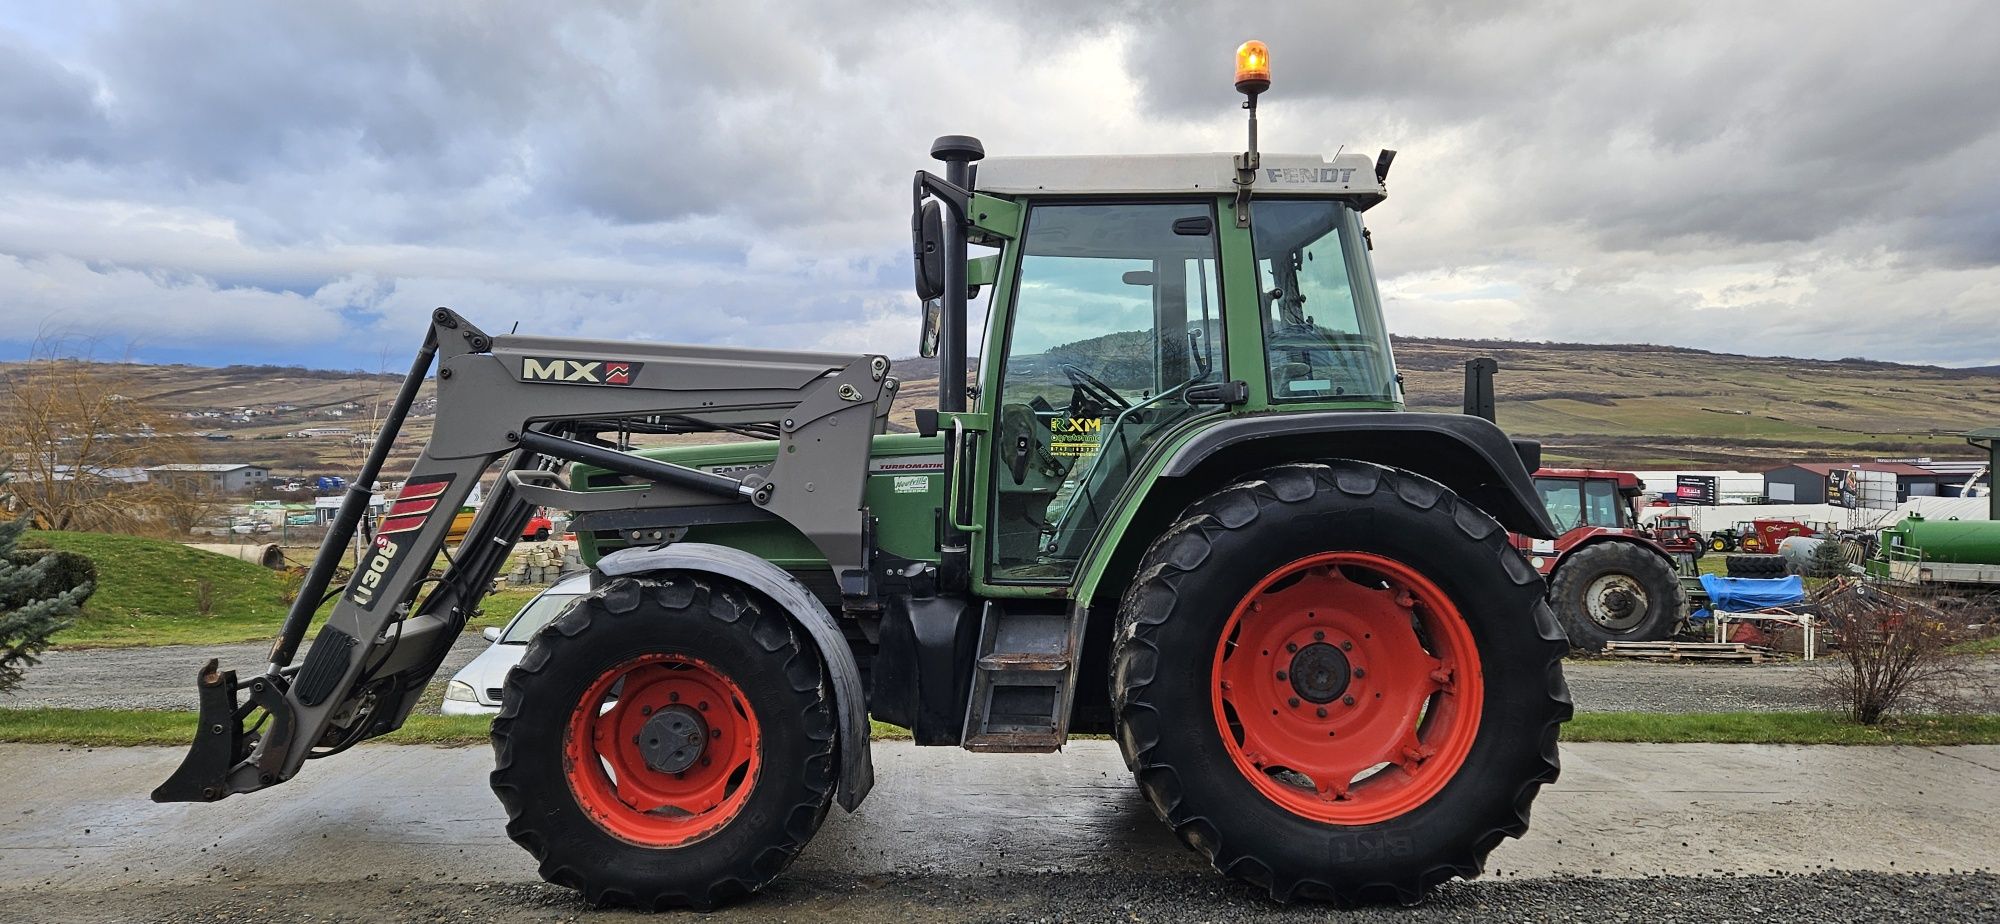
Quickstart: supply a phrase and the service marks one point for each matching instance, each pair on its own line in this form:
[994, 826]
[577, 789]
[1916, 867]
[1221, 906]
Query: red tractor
[1609, 580]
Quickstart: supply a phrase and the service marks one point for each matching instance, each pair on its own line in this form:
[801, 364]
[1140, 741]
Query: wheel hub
[1319, 673]
[1346, 687]
[1615, 601]
[673, 739]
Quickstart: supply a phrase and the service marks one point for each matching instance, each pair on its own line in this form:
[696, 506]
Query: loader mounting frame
[539, 403]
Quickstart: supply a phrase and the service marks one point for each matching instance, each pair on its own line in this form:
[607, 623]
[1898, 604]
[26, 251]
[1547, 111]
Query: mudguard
[1467, 454]
[857, 767]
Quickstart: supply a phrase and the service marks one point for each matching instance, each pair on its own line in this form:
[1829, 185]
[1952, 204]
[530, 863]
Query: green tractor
[1181, 505]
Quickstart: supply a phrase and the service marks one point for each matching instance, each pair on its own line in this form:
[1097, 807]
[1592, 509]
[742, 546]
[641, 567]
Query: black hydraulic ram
[352, 507]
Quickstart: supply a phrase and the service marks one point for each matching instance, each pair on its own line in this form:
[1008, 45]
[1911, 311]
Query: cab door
[1115, 314]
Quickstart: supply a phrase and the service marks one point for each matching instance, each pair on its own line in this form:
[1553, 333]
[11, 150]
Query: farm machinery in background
[1610, 579]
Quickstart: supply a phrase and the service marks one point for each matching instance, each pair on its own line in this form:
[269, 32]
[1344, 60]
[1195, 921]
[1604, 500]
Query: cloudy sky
[298, 183]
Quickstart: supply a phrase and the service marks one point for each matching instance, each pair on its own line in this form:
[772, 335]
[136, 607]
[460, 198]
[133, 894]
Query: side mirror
[927, 346]
[490, 633]
[927, 246]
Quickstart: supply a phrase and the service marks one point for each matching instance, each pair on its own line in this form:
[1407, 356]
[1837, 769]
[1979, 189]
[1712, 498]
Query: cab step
[1025, 681]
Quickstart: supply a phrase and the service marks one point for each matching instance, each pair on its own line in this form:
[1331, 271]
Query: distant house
[326, 508]
[311, 432]
[211, 477]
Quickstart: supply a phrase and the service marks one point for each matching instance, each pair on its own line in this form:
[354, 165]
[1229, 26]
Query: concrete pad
[77, 819]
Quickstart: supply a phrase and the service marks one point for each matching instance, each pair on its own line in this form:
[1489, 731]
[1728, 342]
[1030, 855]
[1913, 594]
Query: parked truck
[1183, 506]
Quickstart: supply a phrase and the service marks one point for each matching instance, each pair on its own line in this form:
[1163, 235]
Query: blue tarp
[1739, 594]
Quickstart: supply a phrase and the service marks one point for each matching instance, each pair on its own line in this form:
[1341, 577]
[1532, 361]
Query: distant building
[1806, 482]
[211, 477]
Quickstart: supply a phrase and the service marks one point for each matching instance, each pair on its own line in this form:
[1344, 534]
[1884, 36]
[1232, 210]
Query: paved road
[163, 678]
[75, 823]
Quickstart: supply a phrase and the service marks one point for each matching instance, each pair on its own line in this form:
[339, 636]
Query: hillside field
[1630, 406]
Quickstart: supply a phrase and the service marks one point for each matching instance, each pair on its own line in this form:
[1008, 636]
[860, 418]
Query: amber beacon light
[1253, 68]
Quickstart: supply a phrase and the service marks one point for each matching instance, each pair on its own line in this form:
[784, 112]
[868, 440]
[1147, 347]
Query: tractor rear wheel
[1616, 592]
[667, 742]
[1339, 682]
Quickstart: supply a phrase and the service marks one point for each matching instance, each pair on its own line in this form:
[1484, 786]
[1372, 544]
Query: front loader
[1182, 505]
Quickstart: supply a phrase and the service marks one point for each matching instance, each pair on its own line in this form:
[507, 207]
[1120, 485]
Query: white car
[475, 689]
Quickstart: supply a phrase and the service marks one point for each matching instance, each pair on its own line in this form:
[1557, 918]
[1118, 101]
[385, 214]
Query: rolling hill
[1630, 406]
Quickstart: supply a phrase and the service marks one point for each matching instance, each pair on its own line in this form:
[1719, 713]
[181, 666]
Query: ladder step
[1015, 742]
[1024, 661]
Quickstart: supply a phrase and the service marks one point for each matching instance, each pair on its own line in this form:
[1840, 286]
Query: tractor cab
[1586, 497]
[1116, 319]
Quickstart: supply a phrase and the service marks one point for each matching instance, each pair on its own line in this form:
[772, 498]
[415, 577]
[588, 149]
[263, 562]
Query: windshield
[1117, 311]
[1573, 502]
[534, 616]
[1323, 332]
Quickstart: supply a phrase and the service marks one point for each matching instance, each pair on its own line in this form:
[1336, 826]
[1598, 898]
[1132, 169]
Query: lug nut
[645, 710]
[1358, 672]
[1291, 646]
[1293, 702]
[703, 707]
[1319, 636]
[673, 697]
[715, 733]
[1281, 676]
[1346, 646]
[1321, 711]
[1348, 700]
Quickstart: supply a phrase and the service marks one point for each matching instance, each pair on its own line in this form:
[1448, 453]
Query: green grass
[148, 593]
[1980, 646]
[123, 727]
[1780, 728]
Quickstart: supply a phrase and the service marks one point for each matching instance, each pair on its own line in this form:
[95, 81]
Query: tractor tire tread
[771, 630]
[1576, 569]
[1185, 545]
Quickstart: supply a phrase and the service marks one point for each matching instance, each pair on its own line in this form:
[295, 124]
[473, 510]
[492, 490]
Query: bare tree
[80, 442]
[1895, 651]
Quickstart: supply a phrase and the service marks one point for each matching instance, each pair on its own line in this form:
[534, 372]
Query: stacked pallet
[1690, 651]
[541, 563]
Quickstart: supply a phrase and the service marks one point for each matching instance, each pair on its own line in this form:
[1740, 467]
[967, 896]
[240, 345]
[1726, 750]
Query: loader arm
[538, 403]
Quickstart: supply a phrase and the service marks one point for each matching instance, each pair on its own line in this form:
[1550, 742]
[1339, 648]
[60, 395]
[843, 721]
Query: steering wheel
[1089, 385]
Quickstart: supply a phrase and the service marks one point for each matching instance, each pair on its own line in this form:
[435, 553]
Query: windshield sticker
[1071, 438]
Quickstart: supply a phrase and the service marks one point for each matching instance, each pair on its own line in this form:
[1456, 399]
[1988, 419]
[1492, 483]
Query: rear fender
[1469, 455]
[857, 768]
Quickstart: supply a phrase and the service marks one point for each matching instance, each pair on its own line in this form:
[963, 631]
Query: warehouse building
[210, 477]
[1807, 482]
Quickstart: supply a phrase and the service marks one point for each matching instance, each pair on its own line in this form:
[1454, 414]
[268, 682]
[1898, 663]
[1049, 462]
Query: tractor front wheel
[1339, 682]
[667, 742]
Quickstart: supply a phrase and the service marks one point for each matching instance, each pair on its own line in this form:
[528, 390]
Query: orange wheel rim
[1347, 688]
[662, 750]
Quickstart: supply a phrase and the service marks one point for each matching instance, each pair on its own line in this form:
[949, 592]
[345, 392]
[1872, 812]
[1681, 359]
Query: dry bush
[78, 440]
[204, 596]
[1895, 651]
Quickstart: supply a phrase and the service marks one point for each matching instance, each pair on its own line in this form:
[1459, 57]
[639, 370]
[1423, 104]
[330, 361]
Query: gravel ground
[1618, 685]
[1125, 897]
[163, 678]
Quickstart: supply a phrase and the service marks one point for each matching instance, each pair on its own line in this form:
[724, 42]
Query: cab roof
[1350, 175]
